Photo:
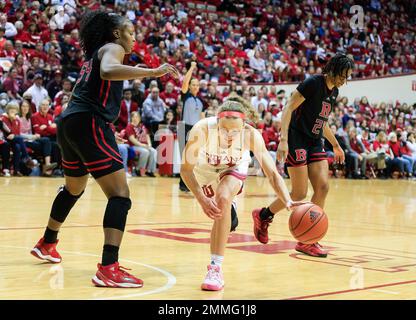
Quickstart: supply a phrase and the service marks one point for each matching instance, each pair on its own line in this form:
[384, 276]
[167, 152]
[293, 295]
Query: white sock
[217, 260]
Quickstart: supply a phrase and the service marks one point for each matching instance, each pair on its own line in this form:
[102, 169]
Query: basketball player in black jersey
[88, 144]
[304, 123]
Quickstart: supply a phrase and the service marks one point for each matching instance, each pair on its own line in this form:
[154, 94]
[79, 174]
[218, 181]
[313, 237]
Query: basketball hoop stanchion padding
[165, 152]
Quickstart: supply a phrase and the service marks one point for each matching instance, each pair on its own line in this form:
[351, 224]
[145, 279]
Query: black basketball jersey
[93, 94]
[311, 116]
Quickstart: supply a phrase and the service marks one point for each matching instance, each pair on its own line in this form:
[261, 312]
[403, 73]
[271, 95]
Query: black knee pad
[63, 204]
[116, 213]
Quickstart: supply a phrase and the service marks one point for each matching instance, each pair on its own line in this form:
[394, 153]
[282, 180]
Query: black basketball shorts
[304, 150]
[88, 145]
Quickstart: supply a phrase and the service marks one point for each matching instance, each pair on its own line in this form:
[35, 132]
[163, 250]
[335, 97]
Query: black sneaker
[183, 188]
[234, 218]
[150, 174]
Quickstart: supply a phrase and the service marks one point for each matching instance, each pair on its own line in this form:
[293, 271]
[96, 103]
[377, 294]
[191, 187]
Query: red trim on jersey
[99, 146]
[69, 167]
[312, 154]
[99, 168]
[239, 176]
[106, 144]
[95, 162]
[101, 88]
[70, 162]
[106, 93]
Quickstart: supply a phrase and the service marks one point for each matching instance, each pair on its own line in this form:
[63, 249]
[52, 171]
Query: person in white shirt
[37, 91]
[257, 63]
[259, 99]
[11, 30]
[60, 19]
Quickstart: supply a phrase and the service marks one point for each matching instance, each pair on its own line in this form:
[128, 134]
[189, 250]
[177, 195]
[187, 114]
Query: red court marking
[273, 248]
[351, 290]
[165, 233]
[356, 260]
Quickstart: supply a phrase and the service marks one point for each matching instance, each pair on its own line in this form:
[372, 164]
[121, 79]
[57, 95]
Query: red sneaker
[114, 276]
[46, 251]
[313, 250]
[260, 226]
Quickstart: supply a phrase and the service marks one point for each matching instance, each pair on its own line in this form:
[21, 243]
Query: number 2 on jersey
[318, 125]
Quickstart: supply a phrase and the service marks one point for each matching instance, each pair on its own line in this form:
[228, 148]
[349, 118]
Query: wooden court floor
[371, 237]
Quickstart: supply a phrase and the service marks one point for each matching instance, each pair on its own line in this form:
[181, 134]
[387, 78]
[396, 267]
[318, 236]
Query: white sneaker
[6, 172]
[214, 280]
[128, 175]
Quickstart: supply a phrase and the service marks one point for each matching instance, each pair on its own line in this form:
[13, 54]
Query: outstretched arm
[187, 79]
[294, 102]
[112, 68]
[258, 147]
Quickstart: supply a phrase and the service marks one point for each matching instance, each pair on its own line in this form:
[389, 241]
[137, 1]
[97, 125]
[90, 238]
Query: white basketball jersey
[214, 157]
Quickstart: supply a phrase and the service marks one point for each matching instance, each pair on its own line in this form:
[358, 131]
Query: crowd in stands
[236, 43]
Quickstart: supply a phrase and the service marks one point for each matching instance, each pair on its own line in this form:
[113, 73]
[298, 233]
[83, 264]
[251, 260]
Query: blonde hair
[381, 135]
[12, 105]
[135, 113]
[236, 103]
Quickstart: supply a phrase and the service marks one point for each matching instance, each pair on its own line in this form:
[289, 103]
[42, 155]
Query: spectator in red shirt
[170, 96]
[139, 138]
[127, 107]
[43, 123]
[11, 85]
[405, 151]
[395, 147]
[11, 130]
[271, 138]
[2, 37]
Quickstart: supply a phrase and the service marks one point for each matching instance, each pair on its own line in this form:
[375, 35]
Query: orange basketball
[308, 223]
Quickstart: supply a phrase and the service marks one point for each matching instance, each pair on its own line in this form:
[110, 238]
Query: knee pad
[63, 204]
[116, 213]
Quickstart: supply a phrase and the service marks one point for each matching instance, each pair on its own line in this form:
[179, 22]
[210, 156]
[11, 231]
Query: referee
[191, 111]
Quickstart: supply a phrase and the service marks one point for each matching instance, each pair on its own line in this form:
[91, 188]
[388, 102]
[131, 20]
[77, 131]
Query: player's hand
[193, 64]
[210, 207]
[167, 69]
[282, 151]
[291, 205]
[339, 155]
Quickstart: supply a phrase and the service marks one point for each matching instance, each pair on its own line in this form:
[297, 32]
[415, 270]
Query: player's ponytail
[236, 103]
[96, 29]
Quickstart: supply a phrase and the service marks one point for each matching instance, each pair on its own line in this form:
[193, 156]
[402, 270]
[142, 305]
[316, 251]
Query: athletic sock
[50, 236]
[266, 214]
[216, 260]
[110, 254]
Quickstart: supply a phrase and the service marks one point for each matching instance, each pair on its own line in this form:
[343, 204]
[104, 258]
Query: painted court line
[171, 279]
[323, 294]
[385, 291]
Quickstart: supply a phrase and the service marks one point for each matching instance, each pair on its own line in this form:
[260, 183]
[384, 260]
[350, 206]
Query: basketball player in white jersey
[215, 163]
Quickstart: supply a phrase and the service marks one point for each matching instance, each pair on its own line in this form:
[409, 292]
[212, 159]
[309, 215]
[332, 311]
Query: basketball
[308, 223]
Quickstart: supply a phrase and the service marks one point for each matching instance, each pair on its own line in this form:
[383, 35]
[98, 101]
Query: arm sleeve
[36, 126]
